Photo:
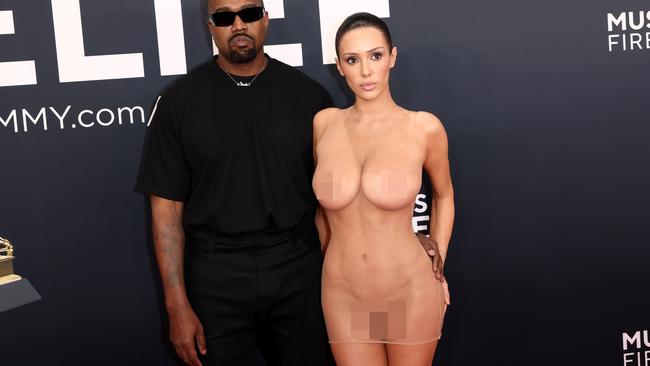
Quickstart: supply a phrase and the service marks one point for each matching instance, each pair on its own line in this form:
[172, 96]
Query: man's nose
[239, 24]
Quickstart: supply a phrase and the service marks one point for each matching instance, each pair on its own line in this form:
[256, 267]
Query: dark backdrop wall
[546, 108]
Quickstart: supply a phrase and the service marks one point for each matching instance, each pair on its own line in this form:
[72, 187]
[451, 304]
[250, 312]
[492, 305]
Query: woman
[381, 303]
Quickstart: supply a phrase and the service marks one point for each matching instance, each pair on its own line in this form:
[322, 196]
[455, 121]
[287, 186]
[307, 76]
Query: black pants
[259, 294]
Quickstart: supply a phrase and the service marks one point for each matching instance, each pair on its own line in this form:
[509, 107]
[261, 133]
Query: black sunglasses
[227, 18]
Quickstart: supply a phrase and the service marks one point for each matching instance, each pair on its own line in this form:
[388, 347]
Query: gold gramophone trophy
[6, 262]
[15, 291]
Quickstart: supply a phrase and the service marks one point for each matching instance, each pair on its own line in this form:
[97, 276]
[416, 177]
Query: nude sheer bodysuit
[377, 284]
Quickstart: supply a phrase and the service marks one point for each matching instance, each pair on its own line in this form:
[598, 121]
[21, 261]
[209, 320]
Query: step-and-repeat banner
[546, 105]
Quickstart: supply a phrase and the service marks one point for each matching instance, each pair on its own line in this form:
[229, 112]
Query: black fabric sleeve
[163, 168]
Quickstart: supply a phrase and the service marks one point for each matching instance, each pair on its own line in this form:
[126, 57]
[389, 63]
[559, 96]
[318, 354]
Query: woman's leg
[411, 355]
[355, 354]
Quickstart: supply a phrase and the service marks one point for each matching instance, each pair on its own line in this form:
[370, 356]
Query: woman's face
[365, 60]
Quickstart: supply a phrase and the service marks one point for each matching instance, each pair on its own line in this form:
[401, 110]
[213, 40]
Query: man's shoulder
[202, 70]
[192, 81]
[293, 75]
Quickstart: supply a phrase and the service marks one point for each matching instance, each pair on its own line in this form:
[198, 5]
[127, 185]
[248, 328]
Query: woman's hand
[431, 247]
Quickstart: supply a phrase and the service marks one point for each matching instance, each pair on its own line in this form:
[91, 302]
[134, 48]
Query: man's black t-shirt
[240, 158]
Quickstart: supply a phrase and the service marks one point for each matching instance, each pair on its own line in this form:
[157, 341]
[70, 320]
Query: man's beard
[243, 56]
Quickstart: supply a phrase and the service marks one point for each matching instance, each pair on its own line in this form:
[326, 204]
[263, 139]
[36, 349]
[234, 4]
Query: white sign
[75, 66]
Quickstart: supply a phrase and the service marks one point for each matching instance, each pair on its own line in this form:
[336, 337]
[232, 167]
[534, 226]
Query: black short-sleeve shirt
[240, 158]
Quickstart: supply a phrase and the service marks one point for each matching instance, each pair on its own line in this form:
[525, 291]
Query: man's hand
[186, 334]
[431, 247]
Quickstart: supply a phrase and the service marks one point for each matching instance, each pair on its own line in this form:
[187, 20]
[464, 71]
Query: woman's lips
[368, 86]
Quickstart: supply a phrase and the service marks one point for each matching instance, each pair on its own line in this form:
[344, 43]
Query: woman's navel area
[373, 268]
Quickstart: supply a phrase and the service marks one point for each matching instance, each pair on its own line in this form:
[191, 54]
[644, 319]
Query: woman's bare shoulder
[327, 114]
[324, 118]
[429, 124]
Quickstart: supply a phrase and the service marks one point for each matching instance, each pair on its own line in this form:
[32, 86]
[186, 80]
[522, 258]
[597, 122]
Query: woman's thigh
[354, 354]
[411, 355]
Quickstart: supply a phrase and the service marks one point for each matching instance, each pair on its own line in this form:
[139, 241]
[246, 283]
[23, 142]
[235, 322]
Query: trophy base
[17, 293]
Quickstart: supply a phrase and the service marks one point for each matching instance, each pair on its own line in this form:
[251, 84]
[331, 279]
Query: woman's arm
[323, 229]
[319, 125]
[436, 165]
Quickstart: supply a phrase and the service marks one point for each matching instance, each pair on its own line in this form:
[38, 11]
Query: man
[228, 165]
